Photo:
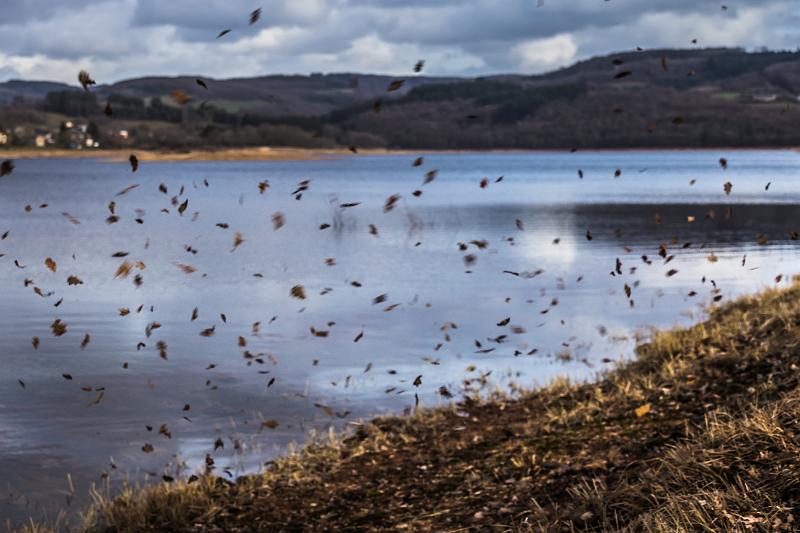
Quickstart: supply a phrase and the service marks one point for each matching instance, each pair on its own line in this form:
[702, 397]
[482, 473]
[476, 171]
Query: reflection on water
[540, 299]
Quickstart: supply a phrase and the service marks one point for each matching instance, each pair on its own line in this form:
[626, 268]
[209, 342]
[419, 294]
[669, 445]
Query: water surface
[540, 299]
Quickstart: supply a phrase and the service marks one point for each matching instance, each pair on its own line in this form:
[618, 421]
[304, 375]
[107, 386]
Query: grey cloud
[20, 11]
[208, 15]
[482, 20]
[215, 15]
[126, 38]
[8, 73]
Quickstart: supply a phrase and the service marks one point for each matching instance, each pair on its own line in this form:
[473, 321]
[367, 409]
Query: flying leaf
[58, 327]
[124, 270]
[85, 80]
[299, 292]
[181, 97]
[6, 167]
[727, 187]
[395, 85]
[237, 241]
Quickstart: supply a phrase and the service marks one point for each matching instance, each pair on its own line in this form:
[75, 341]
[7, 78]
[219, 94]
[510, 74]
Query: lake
[513, 283]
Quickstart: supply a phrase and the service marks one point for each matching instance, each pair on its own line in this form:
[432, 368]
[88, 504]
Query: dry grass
[718, 450]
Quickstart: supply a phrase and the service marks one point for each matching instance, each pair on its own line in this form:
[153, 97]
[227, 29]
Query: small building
[765, 98]
[43, 139]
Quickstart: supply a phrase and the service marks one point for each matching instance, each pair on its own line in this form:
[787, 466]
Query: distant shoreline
[265, 153]
[228, 154]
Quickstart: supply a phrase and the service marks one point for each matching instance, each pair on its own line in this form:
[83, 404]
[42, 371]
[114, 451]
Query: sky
[121, 39]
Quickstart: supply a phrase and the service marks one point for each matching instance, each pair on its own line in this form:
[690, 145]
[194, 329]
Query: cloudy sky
[118, 39]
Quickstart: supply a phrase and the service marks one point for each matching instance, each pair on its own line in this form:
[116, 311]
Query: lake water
[561, 306]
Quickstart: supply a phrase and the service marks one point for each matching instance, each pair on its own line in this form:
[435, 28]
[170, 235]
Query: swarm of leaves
[698, 433]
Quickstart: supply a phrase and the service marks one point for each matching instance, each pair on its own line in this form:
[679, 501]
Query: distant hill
[657, 98]
[272, 96]
[27, 90]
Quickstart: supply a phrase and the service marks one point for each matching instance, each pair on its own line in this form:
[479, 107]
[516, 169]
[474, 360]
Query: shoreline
[229, 154]
[266, 153]
[661, 443]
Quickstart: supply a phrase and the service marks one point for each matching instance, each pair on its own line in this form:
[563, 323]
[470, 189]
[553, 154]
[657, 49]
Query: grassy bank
[701, 433]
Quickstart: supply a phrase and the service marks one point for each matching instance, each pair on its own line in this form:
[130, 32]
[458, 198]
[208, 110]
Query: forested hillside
[659, 98]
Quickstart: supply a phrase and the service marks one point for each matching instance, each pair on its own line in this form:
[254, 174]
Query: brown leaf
[237, 241]
[395, 85]
[124, 270]
[58, 327]
[181, 97]
[187, 269]
[85, 79]
[6, 167]
[727, 187]
[390, 203]
[278, 220]
[299, 292]
[161, 346]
